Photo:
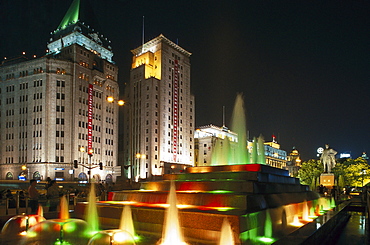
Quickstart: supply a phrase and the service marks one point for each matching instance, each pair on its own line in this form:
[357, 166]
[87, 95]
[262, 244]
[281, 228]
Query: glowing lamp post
[110, 99]
[90, 153]
[139, 157]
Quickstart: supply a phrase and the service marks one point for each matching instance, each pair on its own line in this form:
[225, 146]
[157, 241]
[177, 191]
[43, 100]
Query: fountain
[261, 203]
[17, 226]
[172, 233]
[63, 230]
[238, 125]
[227, 236]
[127, 224]
[91, 215]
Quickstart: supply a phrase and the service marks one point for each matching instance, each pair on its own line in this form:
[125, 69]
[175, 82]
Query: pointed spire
[71, 16]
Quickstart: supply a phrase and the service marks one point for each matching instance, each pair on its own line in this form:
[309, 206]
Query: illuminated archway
[109, 178]
[82, 177]
[36, 175]
[9, 176]
[96, 178]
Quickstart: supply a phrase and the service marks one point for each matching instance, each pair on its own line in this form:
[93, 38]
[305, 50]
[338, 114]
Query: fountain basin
[250, 196]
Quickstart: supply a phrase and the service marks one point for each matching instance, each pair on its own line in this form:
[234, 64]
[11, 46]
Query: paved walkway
[356, 230]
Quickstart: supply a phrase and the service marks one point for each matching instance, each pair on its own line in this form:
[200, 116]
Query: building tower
[294, 162]
[160, 111]
[54, 109]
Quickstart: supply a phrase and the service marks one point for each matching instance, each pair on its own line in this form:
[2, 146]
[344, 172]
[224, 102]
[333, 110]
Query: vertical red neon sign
[89, 119]
[175, 108]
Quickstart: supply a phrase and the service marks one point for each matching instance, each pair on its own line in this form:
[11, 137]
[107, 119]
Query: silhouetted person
[53, 195]
[321, 189]
[22, 199]
[10, 197]
[34, 195]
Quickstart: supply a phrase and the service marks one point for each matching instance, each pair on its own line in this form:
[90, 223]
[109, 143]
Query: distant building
[346, 154]
[54, 109]
[275, 156]
[294, 162]
[364, 156]
[160, 111]
[207, 138]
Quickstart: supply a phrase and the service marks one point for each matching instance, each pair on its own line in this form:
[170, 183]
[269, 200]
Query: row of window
[37, 121]
[86, 102]
[60, 71]
[83, 136]
[37, 133]
[23, 73]
[9, 101]
[9, 136]
[85, 125]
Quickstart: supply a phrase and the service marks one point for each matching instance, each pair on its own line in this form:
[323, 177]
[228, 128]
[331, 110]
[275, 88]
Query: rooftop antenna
[223, 116]
[143, 36]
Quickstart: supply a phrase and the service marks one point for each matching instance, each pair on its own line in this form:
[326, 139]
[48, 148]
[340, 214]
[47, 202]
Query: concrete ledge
[321, 231]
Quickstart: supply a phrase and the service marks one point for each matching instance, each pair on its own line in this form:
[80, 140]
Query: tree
[310, 171]
[352, 171]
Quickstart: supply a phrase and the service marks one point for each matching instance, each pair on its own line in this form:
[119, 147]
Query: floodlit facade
[275, 156]
[54, 109]
[159, 113]
[206, 138]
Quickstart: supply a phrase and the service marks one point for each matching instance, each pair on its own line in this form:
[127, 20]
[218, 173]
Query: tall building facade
[54, 109]
[159, 131]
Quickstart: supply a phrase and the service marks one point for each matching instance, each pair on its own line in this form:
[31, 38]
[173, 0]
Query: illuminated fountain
[17, 226]
[91, 215]
[261, 203]
[127, 224]
[63, 230]
[238, 125]
[172, 233]
[227, 236]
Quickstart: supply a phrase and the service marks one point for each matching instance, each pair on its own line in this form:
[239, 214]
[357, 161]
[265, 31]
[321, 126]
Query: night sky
[302, 66]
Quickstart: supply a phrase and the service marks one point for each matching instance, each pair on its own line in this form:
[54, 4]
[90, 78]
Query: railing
[19, 209]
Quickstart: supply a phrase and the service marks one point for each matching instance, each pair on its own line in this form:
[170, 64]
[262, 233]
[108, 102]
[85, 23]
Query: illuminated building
[205, 141]
[206, 138]
[293, 163]
[159, 117]
[364, 156]
[54, 108]
[275, 156]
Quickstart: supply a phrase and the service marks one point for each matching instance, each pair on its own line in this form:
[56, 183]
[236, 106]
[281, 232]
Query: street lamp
[111, 99]
[90, 153]
[139, 157]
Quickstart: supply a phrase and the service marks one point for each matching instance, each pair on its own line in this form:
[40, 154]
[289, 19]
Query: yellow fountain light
[296, 222]
[121, 237]
[224, 209]
[189, 191]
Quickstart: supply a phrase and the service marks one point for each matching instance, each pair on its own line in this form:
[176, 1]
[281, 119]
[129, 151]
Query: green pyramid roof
[71, 16]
